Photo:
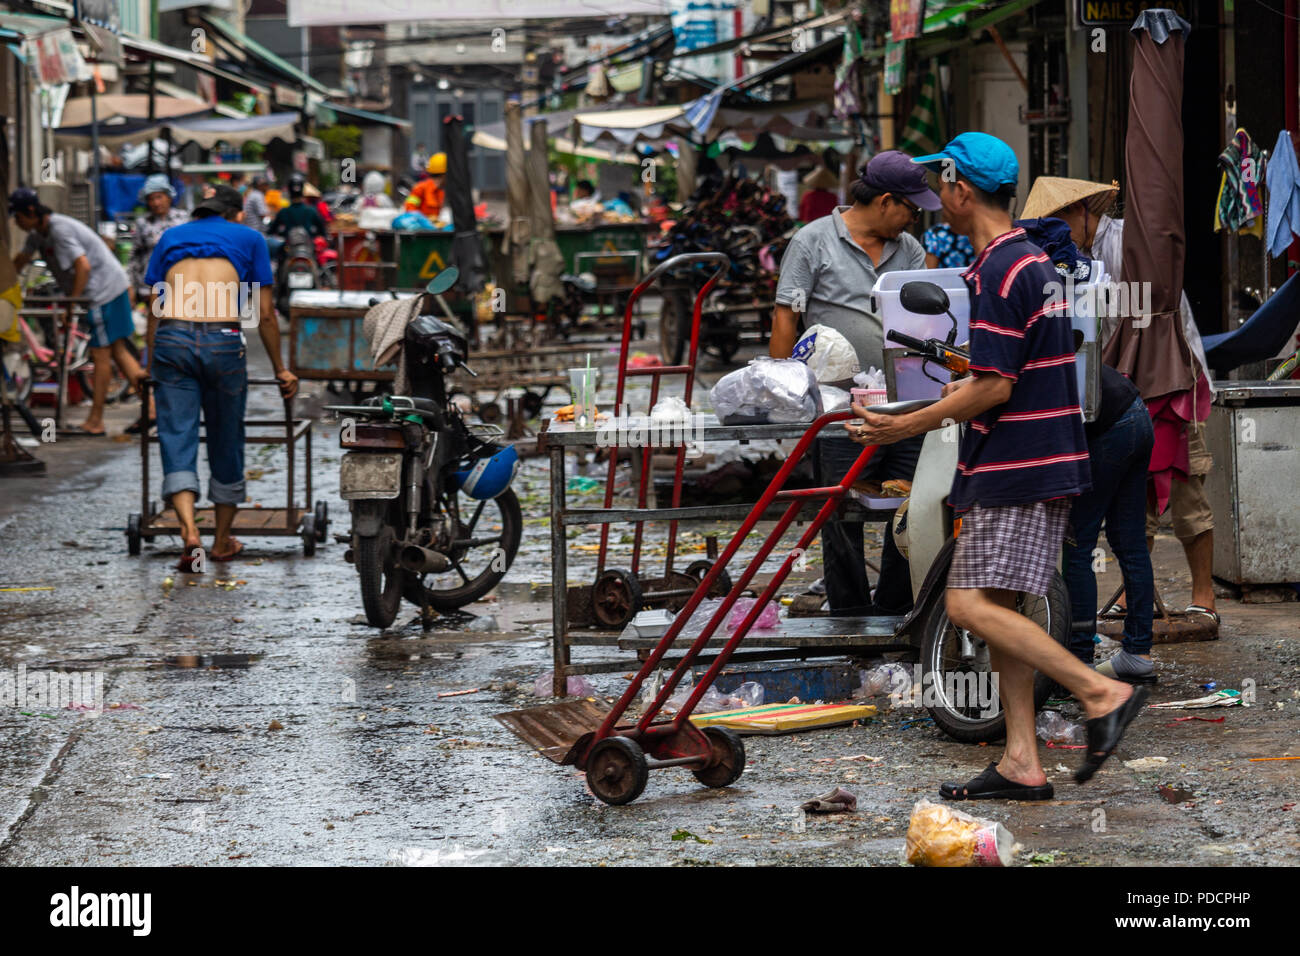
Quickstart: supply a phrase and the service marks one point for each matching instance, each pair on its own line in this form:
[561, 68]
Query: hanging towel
[1283, 195]
[1239, 208]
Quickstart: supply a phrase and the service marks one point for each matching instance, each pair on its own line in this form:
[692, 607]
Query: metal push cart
[293, 520]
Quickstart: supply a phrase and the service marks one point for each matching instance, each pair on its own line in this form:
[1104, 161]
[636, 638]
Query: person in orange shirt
[427, 195]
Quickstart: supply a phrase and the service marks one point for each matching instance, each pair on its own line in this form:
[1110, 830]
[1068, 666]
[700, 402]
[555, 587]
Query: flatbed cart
[617, 755]
[617, 593]
[293, 520]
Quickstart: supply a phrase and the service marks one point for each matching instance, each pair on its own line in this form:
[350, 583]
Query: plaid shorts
[1014, 548]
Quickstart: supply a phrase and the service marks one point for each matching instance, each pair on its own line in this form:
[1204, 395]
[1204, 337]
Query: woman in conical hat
[1081, 203]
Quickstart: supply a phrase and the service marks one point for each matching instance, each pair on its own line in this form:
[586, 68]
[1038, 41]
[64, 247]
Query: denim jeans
[1119, 460]
[847, 591]
[199, 366]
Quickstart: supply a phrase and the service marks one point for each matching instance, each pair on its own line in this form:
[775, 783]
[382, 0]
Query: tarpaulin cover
[120, 192]
[259, 129]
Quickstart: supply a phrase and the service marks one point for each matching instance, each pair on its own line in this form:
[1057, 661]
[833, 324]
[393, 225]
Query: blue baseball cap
[985, 160]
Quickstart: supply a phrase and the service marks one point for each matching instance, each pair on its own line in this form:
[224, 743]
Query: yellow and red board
[785, 718]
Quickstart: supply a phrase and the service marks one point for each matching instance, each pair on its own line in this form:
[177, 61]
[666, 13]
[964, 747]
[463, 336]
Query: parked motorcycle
[434, 518]
[298, 269]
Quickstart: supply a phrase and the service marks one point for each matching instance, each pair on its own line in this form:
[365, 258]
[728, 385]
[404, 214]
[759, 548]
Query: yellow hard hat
[437, 165]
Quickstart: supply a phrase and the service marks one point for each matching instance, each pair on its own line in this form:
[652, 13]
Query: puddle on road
[204, 661]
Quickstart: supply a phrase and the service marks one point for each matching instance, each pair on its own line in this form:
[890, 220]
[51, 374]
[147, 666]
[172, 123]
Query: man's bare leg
[102, 357]
[1014, 635]
[183, 504]
[225, 519]
[1019, 761]
[1200, 559]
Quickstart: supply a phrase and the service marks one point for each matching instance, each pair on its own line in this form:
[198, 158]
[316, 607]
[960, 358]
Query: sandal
[1199, 609]
[138, 425]
[191, 557]
[76, 431]
[1105, 733]
[991, 785]
[236, 546]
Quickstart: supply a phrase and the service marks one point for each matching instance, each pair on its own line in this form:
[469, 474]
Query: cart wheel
[531, 403]
[490, 413]
[308, 535]
[615, 598]
[728, 752]
[617, 770]
[675, 316]
[698, 569]
[133, 535]
[322, 520]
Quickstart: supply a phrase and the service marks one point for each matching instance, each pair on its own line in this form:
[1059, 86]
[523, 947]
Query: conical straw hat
[1051, 194]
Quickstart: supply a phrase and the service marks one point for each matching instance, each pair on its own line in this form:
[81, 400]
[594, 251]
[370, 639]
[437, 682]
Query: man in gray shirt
[827, 274]
[84, 267]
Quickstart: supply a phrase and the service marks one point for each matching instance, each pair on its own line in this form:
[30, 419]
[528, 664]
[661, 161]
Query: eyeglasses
[912, 207]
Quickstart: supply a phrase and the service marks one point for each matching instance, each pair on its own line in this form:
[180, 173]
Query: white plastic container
[909, 380]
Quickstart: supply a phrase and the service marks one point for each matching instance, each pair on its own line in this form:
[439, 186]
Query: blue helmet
[489, 477]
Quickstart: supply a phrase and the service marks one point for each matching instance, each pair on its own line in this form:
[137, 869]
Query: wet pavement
[253, 719]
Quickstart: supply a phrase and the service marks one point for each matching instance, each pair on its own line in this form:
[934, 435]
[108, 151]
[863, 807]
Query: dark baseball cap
[223, 201]
[24, 199]
[894, 172]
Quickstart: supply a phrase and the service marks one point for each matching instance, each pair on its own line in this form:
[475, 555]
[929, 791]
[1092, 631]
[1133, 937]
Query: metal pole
[94, 147]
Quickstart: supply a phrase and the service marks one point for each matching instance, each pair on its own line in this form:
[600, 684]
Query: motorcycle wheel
[941, 656]
[479, 566]
[381, 578]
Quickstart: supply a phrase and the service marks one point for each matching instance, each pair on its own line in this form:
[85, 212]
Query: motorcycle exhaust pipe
[422, 560]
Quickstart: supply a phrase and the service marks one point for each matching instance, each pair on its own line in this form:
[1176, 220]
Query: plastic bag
[871, 378]
[412, 221]
[767, 389]
[710, 703]
[887, 679]
[828, 353]
[767, 619]
[833, 399]
[1053, 727]
[941, 836]
[576, 686]
[695, 626]
[671, 409]
[748, 694]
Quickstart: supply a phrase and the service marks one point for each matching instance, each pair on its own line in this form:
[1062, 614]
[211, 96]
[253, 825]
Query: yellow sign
[1097, 12]
[427, 271]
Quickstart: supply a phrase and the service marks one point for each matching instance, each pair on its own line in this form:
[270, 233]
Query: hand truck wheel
[728, 754]
[698, 569]
[617, 770]
[615, 598]
[322, 517]
[490, 413]
[531, 403]
[308, 535]
[133, 535]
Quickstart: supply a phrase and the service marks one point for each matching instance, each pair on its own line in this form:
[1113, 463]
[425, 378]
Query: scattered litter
[670, 408]
[483, 624]
[865, 757]
[459, 693]
[887, 679]
[154, 776]
[544, 686]
[1222, 698]
[275, 725]
[838, 800]
[28, 713]
[1209, 720]
[680, 835]
[583, 483]
[1210, 686]
[43, 588]
[941, 836]
[1174, 794]
[1146, 763]
[1257, 759]
[1052, 727]
[1039, 859]
[1053, 745]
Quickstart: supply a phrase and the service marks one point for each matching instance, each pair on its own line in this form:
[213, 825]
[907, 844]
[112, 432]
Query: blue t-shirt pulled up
[212, 238]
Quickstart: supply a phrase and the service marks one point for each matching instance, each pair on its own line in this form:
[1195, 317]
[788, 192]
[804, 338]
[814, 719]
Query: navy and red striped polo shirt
[1032, 447]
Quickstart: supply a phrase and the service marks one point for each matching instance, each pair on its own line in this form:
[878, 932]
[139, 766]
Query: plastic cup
[582, 389]
[869, 396]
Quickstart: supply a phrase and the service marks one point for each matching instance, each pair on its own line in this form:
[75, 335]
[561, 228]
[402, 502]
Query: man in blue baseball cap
[1023, 457]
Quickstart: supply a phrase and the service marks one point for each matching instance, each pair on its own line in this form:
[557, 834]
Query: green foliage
[341, 141]
[253, 152]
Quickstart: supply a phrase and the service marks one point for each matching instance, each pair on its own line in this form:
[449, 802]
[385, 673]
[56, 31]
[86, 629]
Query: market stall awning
[222, 129]
[149, 50]
[252, 48]
[132, 106]
[562, 144]
[703, 117]
[323, 109]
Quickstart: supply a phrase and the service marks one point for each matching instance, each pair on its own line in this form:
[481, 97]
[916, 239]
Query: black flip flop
[991, 785]
[76, 431]
[1105, 733]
